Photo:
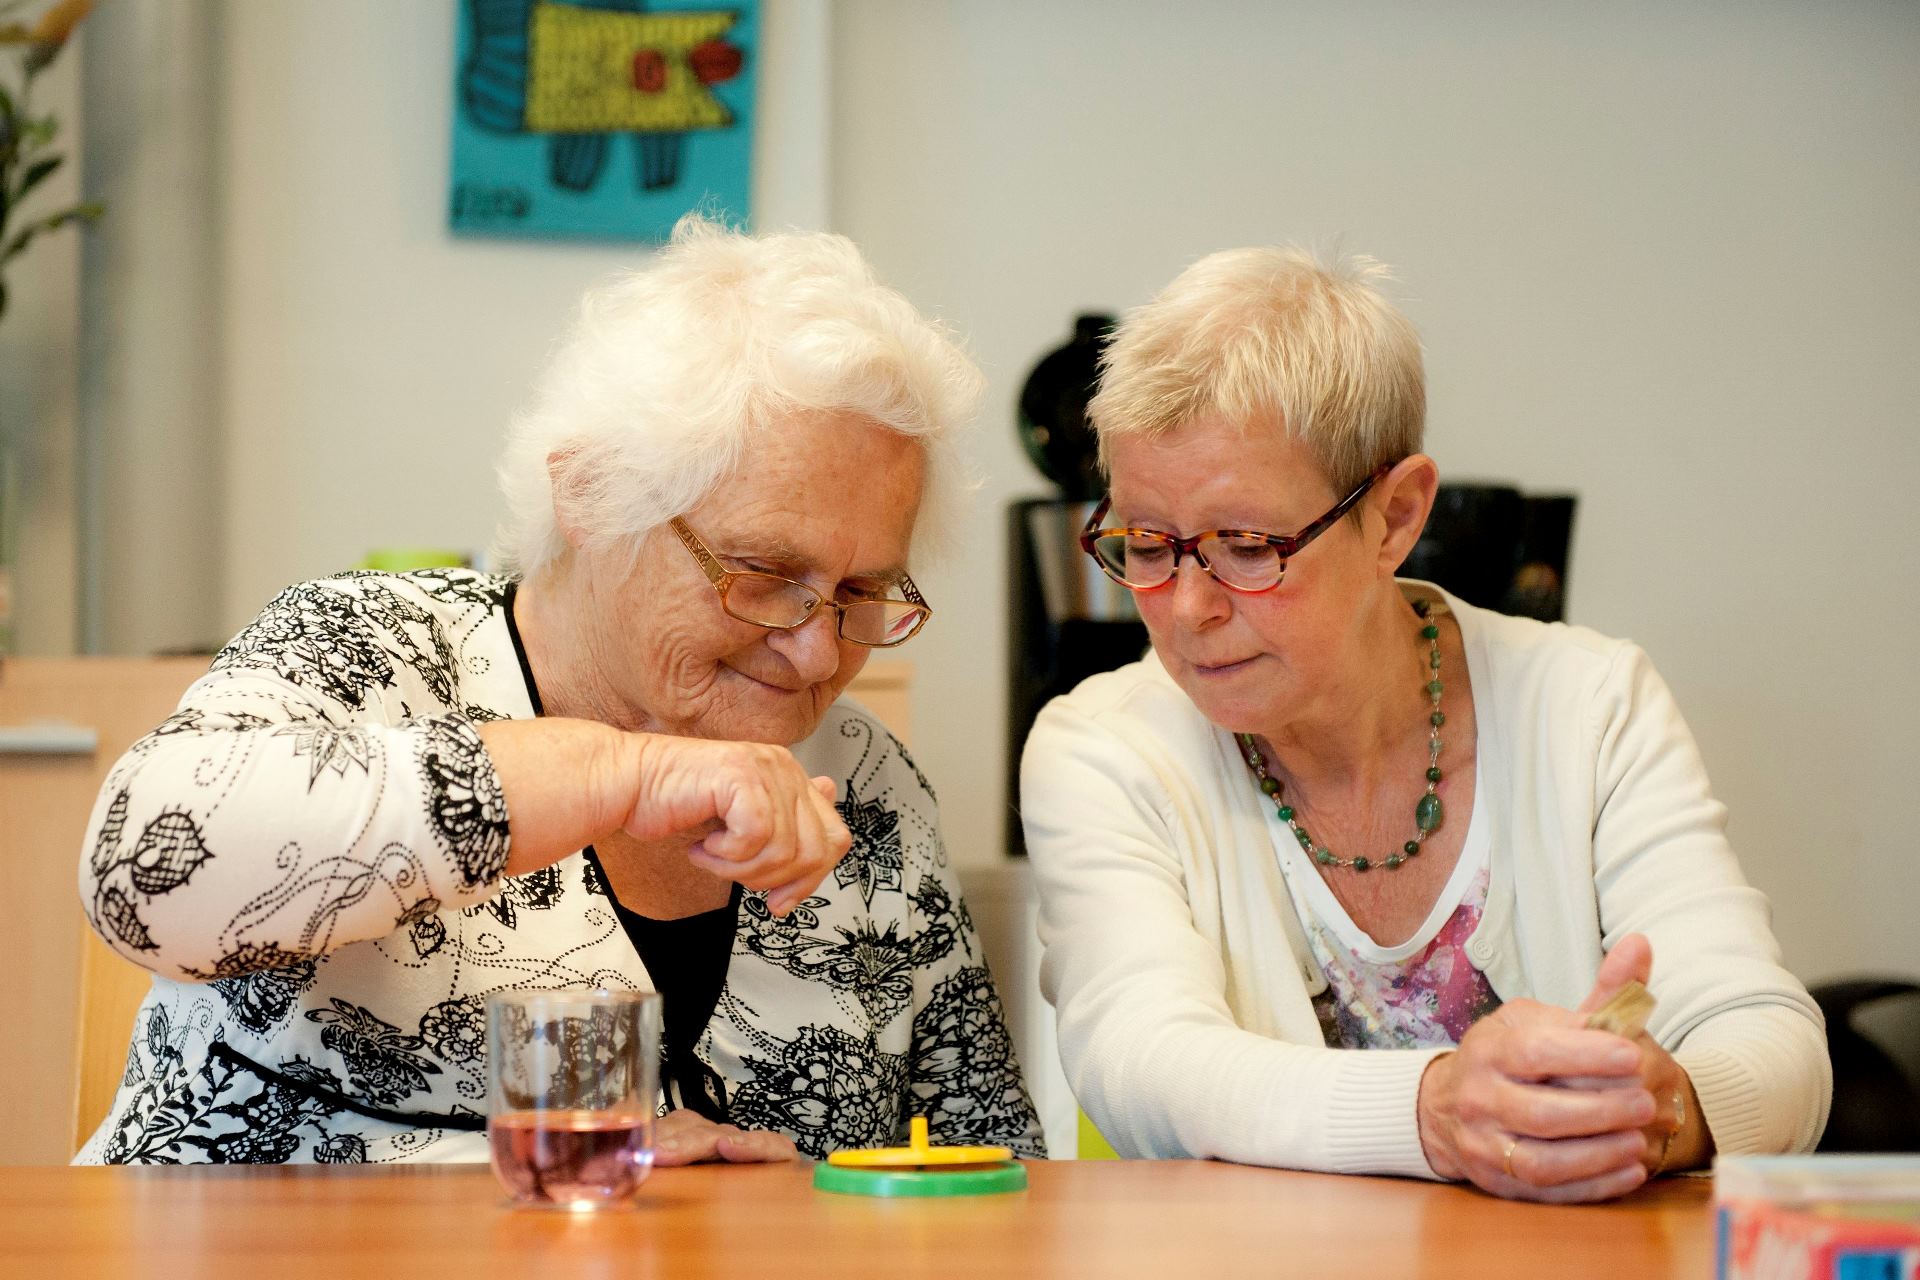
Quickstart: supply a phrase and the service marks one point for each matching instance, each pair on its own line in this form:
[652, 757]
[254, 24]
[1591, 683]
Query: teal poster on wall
[601, 118]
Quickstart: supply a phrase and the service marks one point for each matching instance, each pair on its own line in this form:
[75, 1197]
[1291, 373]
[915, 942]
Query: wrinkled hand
[761, 820]
[687, 1137]
[1631, 960]
[1497, 1111]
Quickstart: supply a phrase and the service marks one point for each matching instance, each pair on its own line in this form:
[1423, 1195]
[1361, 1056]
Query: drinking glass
[571, 1092]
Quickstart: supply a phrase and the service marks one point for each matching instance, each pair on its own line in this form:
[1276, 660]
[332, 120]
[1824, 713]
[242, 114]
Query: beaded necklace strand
[1426, 814]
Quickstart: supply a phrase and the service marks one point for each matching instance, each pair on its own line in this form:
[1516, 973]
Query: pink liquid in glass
[577, 1159]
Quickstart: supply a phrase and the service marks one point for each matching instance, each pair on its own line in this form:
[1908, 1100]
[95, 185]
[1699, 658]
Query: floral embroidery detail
[267, 1124]
[592, 880]
[427, 934]
[106, 845]
[170, 850]
[456, 1030]
[965, 1074]
[312, 636]
[825, 1089]
[464, 801]
[341, 1148]
[116, 911]
[379, 1057]
[874, 861]
[937, 938]
[875, 967]
[311, 1074]
[262, 999]
[535, 891]
[804, 918]
[249, 958]
[329, 748]
[461, 586]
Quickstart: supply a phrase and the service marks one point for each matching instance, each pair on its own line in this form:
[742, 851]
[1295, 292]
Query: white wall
[1662, 254]
[372, 359]
[150, 445]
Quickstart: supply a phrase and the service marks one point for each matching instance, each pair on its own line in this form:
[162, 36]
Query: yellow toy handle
[919, 1152]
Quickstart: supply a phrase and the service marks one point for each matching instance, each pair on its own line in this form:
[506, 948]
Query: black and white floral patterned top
[309, 853]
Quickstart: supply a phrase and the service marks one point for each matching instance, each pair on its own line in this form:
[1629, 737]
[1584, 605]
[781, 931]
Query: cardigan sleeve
[1745, 1030]
[1147, 1037]
[278, 814]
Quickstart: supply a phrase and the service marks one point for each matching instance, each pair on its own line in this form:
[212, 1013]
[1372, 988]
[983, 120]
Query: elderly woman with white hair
[1332, 877]
[624, 763]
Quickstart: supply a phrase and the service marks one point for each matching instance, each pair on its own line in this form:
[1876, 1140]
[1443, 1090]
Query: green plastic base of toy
[965, 1180]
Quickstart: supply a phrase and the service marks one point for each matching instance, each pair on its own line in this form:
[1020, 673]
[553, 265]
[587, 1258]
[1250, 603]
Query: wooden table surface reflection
[1172, 1220]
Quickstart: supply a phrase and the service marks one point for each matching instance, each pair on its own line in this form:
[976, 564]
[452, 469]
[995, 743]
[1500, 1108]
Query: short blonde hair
[1272, 332]
[670, 373]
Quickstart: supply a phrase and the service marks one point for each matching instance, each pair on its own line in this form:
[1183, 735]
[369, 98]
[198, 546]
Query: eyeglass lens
[768, 601]
[1145, 561]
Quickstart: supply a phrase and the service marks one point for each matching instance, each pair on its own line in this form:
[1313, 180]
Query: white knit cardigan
[1183, 983]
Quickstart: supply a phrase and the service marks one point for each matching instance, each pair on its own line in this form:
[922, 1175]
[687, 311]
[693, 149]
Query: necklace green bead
[1427, 814]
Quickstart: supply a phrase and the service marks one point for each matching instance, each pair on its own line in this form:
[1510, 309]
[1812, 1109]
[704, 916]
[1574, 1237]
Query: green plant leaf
[37, 172]
[41, 53]
[53, 222]
[9, 129]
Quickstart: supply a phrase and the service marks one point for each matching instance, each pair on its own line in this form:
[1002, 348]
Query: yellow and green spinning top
[920, 1169]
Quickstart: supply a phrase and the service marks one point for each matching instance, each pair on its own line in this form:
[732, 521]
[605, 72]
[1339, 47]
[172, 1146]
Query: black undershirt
[686, 958]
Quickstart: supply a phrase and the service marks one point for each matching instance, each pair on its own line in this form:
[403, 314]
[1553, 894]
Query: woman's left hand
[687, 1137]
[1676, 1137]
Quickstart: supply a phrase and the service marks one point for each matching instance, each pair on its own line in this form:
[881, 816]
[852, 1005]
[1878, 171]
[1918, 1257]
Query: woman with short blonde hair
[1332, 879]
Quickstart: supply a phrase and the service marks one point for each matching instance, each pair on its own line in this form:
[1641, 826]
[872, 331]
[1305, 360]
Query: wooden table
[1171, 1220]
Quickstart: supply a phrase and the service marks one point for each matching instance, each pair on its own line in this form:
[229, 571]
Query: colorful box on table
[1817, 1217]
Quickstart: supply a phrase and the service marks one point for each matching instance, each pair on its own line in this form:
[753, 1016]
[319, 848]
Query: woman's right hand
[1490, 1113]
[760, 819]
[684, 1137]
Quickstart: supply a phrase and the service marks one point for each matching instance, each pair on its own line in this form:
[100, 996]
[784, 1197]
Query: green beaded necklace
[1426, 814]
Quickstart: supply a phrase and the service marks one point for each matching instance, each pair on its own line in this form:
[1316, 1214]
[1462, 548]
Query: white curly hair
[659, 390]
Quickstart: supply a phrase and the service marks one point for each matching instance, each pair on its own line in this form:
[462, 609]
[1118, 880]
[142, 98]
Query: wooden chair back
[111, 990]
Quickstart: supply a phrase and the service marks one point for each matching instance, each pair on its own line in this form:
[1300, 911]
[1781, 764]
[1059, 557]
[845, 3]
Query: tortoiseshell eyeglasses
[781, 604]
[1243, 560]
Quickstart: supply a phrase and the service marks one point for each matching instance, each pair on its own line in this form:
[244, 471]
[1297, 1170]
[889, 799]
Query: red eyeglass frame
[1288, 545]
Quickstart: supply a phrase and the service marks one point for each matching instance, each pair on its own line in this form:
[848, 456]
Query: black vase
[1053, 410]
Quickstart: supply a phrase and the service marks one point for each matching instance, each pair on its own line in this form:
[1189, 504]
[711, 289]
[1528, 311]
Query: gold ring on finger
[1508, 1160]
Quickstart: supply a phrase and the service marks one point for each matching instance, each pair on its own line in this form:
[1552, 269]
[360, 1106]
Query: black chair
[1876, 1064]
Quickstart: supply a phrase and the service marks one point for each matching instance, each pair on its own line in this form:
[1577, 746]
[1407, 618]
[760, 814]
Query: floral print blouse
[1426, 1001]
[309, 856]
[1421, 993]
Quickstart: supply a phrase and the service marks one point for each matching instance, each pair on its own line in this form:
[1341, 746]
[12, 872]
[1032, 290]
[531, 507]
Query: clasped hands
[1533, 1106]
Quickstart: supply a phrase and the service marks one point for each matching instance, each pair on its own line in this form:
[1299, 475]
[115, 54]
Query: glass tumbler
[572, 1079]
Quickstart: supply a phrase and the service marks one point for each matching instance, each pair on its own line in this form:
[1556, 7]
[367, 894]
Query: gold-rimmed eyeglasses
[781, 604]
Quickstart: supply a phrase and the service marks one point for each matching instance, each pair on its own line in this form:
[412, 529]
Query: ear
[1402, 500]
[568, 494]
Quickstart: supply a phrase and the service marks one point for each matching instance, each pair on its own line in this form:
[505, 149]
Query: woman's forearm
[567, 783]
